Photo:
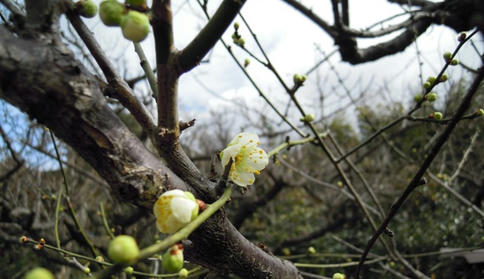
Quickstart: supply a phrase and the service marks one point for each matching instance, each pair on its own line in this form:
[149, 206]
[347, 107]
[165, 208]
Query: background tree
[104, 122]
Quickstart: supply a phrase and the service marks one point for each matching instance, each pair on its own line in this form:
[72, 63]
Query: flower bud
[123, 249]
[339, 184]
[447, 56]
[418, 97]
[339, 276]
[240, 42]
[299, 79]
[431, 79]
[444, 77]
[236, 26]
[311, 250]
[436, 115]
[87, 8]
[111, 12]
[183, 273]
[39, 273]
[307, 118]
[86, 270]
[173, 259]
[135, 26]
[128, 270]
[99, 258]
[246, 62]
[427, 85]
[454, 62]
[462, 36]
[174, 209]
[136, 3]
[480, 112]
[286, 251]
[431, 97]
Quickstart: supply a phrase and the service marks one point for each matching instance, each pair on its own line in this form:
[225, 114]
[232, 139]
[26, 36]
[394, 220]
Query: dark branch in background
[459, 15]
[248, 208]
[19, 162]
[416, 181]
[192, 54]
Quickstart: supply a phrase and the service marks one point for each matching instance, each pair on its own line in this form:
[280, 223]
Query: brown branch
[193, 53]
[417, 179]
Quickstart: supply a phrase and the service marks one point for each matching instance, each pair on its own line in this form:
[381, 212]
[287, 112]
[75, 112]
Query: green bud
[86, 270]
[286, 251]
[311, 250]
[427, 85]
[39, 273]
[480, 112]
[99, 259]
[444, 77]
[447, 56]
[111, 12]
[246, 62]
[392, 264]
[307, 118]
[340, 184]
[431, 97]
[87, 8]
[183, 273]
[173, 259]
[417, 98]
[240, 42]
[128, 270]
[339, 276]
[299, 79]
[431, 79]
[436, 115]
[123, 249]
[236, 26]
[135, 26]
[454, 62]
[136, 3]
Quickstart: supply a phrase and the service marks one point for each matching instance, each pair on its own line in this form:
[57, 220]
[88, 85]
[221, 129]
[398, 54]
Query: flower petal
[175, 193]
[242, 178]
[182, 209]
[229, 152]
[257, 159]
[245, 138]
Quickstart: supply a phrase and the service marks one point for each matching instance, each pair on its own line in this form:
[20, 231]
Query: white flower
[247, 158]
[174, 209]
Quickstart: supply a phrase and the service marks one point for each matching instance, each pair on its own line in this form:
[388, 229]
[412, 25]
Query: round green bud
[135, 26]
[299, 79]
[236, 25]
[86, 270]
[128, 270]
[480, 112]
[39, 273]
[240, 42]
[462, 36]
[437, 115]
[444, 77]
[246, 62]
[136, 3]
[339, 276]
[447, 56]
[307, 118]
[87, 8]
[311, 250]
[286, 251]
[183, 273]
[427, 85]
[417, 98]
[392, 264]
[123, 249]
[100, 259]
[454, 62]
[172, 260]
[111, 12]
[339, 184]
[431, 79]
[431, 97]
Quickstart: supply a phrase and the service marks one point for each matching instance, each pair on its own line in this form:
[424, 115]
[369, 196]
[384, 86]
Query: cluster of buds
[236, 37]
[135, 25]
[449, 58]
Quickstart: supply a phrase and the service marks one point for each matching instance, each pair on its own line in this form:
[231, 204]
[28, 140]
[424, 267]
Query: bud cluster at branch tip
[135, 25]
[174, 209]
[247, 158]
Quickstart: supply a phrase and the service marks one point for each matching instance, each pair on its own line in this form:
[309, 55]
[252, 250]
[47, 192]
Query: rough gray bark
[41, 77]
